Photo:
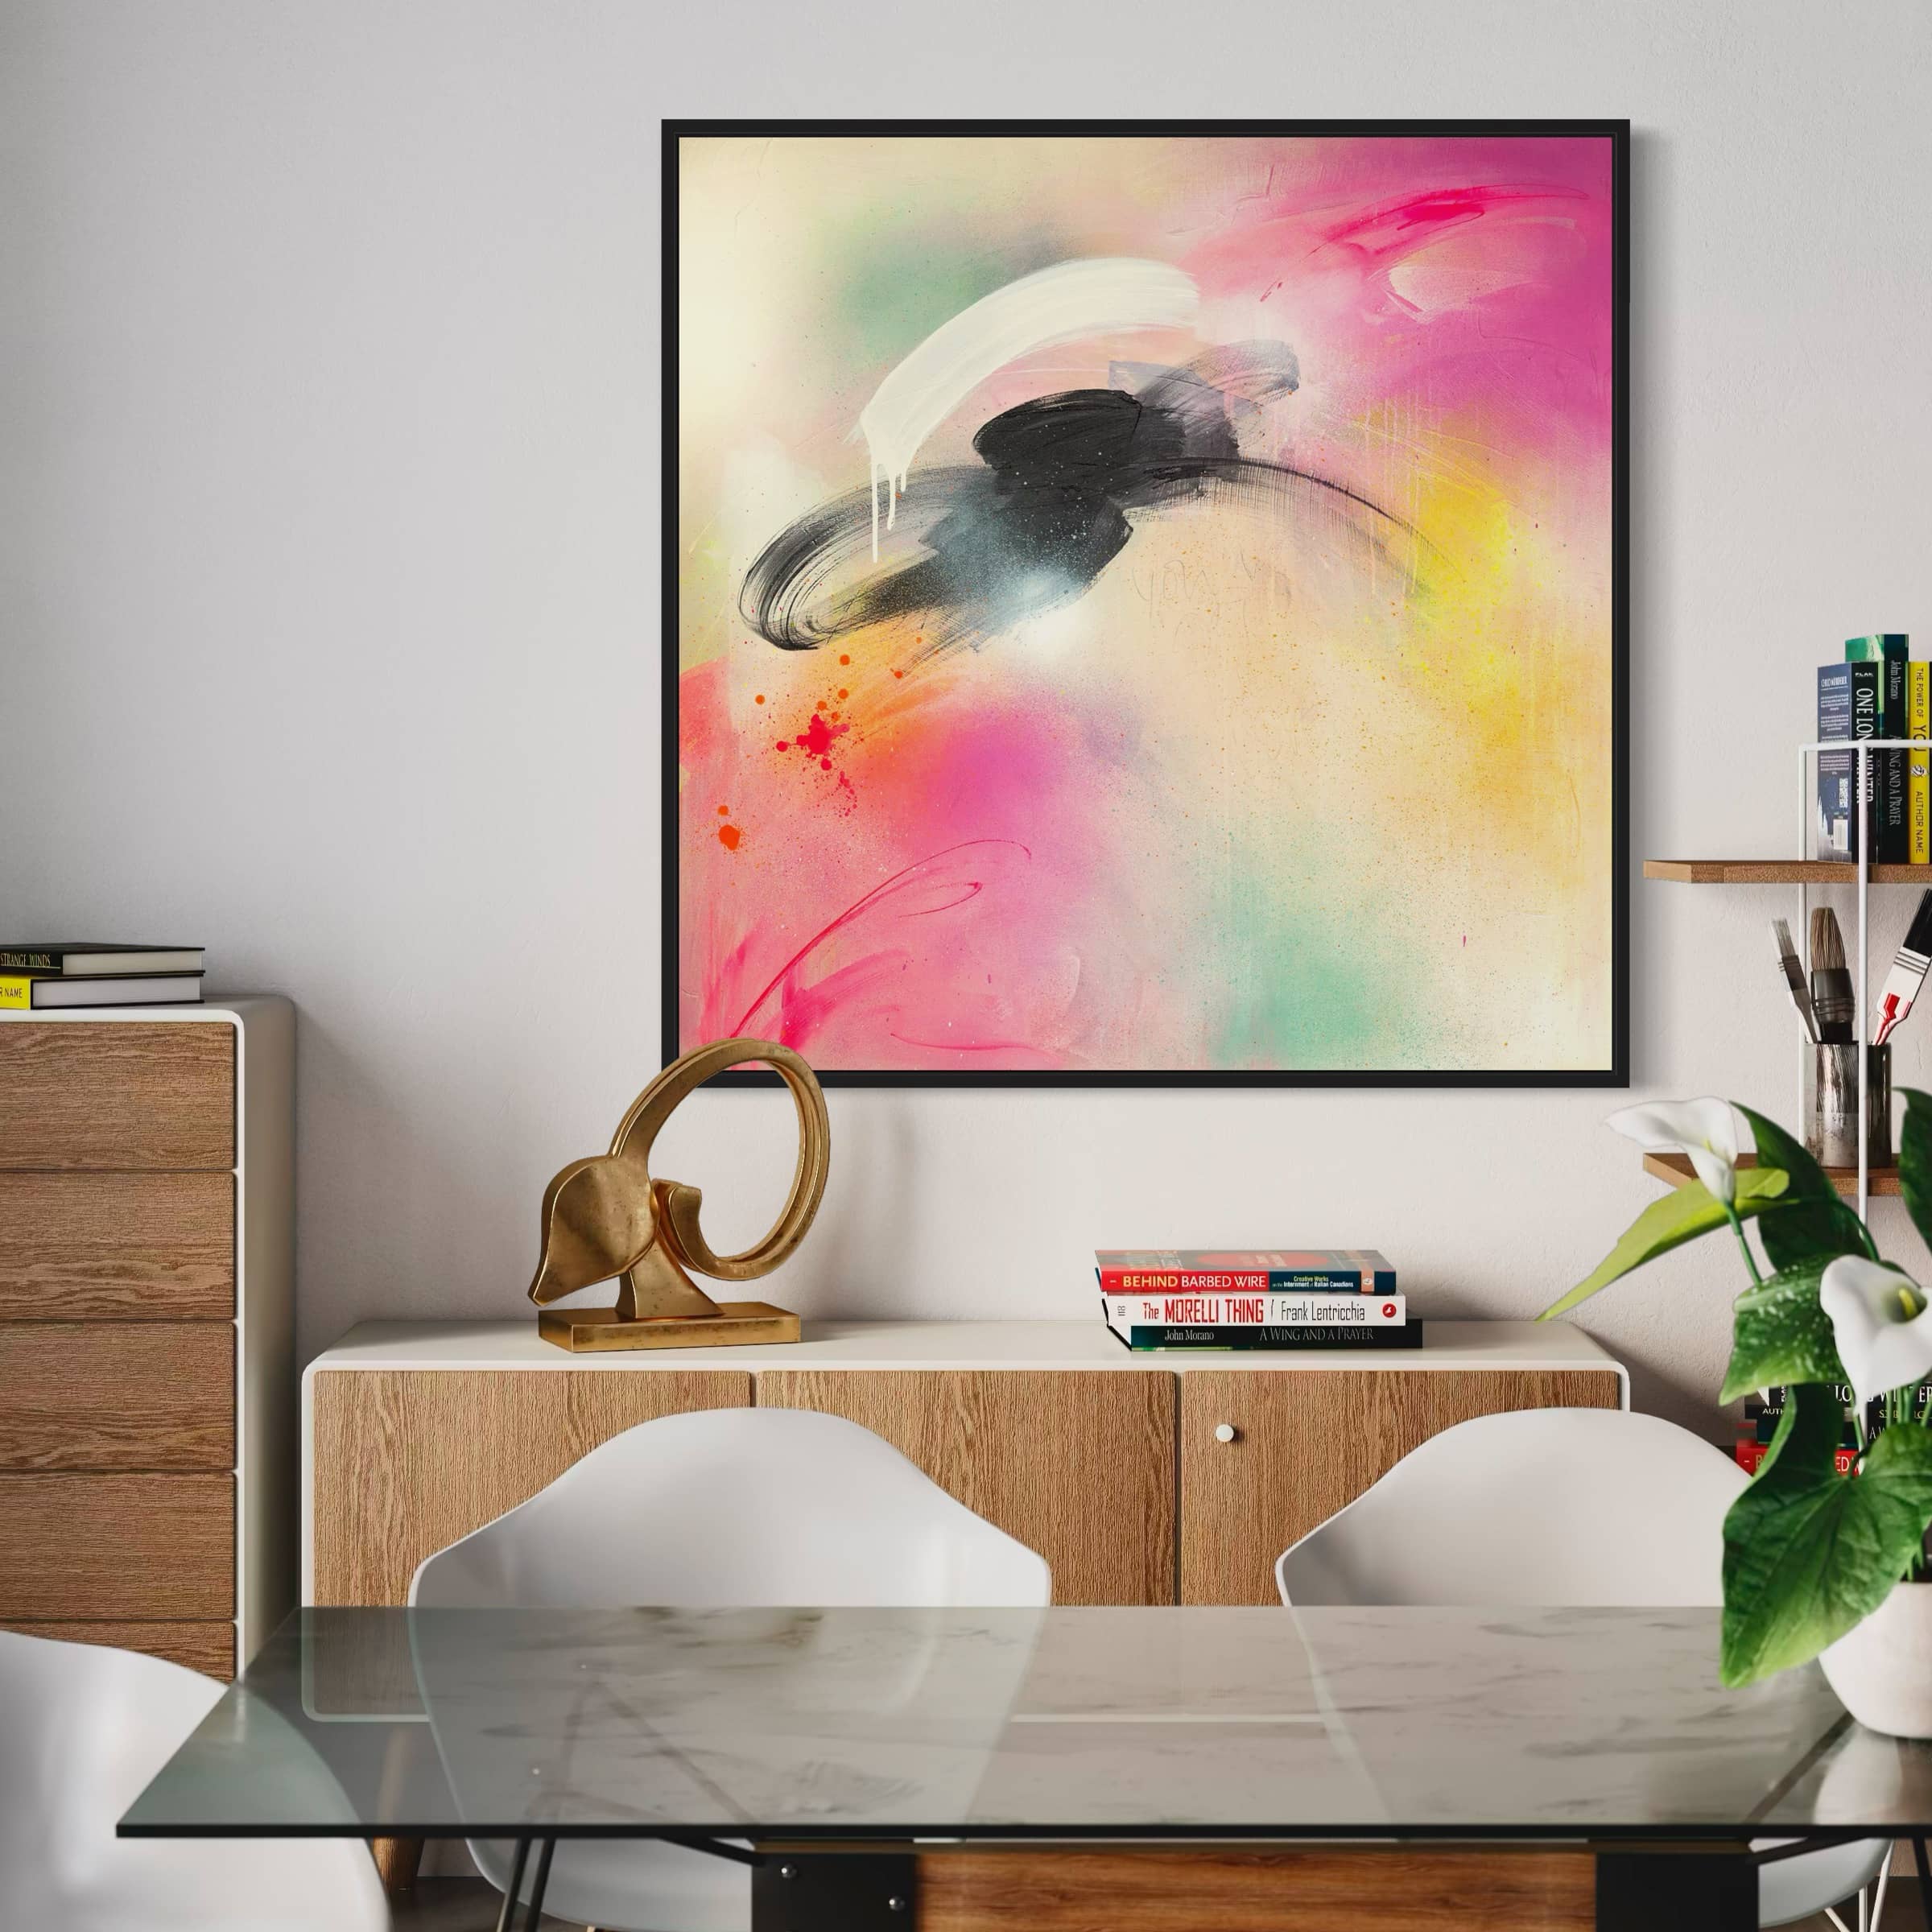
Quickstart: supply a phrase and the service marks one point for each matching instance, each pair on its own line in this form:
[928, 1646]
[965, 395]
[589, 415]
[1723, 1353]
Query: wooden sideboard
[146, 1339]
[1109, 1464]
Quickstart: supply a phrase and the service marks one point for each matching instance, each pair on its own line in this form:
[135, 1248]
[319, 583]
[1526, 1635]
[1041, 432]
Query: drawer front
[1307, 1442]
[160, 1247]
[108, 1548]
[117, 1095]
[209, 1647]
[1077, 1465]
[404, 1463]
[117, 1395]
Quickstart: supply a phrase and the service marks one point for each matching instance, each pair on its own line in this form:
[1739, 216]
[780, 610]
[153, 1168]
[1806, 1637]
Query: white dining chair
[1587, 1507]
[746, 1508]
[83, 1729]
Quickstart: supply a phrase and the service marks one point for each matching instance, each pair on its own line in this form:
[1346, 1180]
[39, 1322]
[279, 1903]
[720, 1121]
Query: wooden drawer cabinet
[79, 1247]
[106, 1093]
[1107, 1464]
[146, 1361]
[116, 1546]
[117, 1395]
[1307, 1444]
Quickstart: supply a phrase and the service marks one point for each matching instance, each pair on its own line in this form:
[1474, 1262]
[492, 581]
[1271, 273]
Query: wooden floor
[468, 1905]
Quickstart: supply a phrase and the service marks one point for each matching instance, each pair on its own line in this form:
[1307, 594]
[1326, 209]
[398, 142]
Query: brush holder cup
[1831, 1131]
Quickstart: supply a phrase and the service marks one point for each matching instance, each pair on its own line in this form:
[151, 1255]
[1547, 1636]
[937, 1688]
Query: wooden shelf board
[1780, 872]
[1676, 1169]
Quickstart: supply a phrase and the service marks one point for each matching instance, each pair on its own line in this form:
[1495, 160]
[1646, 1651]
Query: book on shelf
[1270, 1270]
[1836, 833]
[76, 959]
[25, 992]
[1918, 764]
[1323, 1308]
[1265, 1336]
[1887, 652]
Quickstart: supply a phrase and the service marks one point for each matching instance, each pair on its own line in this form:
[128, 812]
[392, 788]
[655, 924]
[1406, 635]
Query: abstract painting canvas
[1144, 604]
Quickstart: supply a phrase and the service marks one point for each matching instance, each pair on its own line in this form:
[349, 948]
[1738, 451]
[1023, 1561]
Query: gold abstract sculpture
[607, 1216]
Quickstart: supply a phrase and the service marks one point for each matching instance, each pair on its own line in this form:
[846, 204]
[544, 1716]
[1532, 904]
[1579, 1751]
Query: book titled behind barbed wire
[77, 959]
[1266, 1270]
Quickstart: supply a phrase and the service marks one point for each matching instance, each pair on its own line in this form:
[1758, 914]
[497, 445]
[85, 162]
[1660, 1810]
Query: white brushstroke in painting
[1054, 305]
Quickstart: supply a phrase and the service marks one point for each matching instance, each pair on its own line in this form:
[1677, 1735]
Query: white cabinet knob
[1224, 1432]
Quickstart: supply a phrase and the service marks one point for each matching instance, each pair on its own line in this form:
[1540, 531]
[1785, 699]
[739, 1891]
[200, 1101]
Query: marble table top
[1059, 1724]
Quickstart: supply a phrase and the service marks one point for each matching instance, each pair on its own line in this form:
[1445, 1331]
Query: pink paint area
[936, 904]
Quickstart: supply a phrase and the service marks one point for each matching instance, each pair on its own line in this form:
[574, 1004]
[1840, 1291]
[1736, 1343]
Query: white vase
[1882, 1669]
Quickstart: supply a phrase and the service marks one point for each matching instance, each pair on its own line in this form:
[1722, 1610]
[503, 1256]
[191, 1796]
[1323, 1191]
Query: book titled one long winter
[1243, 1270]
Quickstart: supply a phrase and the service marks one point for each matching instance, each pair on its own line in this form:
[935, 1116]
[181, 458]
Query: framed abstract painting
[1145, 603]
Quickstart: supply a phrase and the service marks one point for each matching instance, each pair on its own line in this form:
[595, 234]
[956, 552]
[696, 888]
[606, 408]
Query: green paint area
[1309, 988]
[891, 286]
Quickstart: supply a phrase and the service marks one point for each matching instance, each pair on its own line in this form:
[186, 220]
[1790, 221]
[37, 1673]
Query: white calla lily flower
[1882, 1321]
[1707, 1130]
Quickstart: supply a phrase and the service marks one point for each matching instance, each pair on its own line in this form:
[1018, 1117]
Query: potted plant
[1816, 1563]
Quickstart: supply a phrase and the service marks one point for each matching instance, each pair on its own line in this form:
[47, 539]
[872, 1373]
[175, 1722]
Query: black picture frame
[1616, 1073]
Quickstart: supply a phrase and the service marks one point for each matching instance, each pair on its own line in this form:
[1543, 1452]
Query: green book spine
[1889, 651]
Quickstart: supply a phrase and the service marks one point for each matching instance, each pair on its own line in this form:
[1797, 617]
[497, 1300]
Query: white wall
[329, 596]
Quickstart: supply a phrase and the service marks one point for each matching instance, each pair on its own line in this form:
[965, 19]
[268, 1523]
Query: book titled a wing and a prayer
[1253, 1297]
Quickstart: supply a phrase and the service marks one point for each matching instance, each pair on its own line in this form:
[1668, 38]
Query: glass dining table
[967, 1770]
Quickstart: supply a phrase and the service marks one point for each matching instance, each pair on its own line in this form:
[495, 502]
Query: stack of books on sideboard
[36, 977]
[1253, 1297]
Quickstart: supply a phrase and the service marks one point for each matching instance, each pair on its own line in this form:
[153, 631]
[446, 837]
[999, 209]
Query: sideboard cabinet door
[416, 1460]
[1307, 1441]
[1078, 1464]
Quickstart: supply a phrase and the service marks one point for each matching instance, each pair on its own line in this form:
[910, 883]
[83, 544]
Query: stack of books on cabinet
[1284, 1298]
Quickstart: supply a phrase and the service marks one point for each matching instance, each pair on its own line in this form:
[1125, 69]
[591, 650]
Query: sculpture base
[736, 1325]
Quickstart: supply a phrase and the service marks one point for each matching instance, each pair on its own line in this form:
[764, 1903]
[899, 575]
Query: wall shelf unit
[1857, 1184]
[1780, 872]
[1676, 1169]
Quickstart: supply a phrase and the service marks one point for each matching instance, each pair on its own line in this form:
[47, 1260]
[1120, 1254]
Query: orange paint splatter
[843, 692]
[759, 699]
[723, 811]
[728, 837]
[844, 659]
[898, 674]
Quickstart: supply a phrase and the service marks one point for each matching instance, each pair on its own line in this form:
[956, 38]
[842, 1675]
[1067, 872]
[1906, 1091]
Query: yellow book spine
[1918, 771]
[16, 993]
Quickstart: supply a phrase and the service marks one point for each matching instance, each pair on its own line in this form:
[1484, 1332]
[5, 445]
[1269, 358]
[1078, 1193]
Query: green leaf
[1681, 1215]
[1781, 1334]
[1809, 1553]
[1915, 1159]
[1815, 1222]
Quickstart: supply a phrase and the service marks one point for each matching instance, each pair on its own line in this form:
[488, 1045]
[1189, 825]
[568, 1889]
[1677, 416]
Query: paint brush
[1794, 974]
[1832, 999]
[1910, 965]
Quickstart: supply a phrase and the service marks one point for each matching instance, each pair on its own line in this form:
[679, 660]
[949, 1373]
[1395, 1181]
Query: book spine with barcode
[1837, 822]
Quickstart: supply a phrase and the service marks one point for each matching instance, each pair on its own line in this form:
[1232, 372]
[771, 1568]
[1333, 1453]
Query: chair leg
[1925, 1882]
[506, 1916]
[1884, 1879]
